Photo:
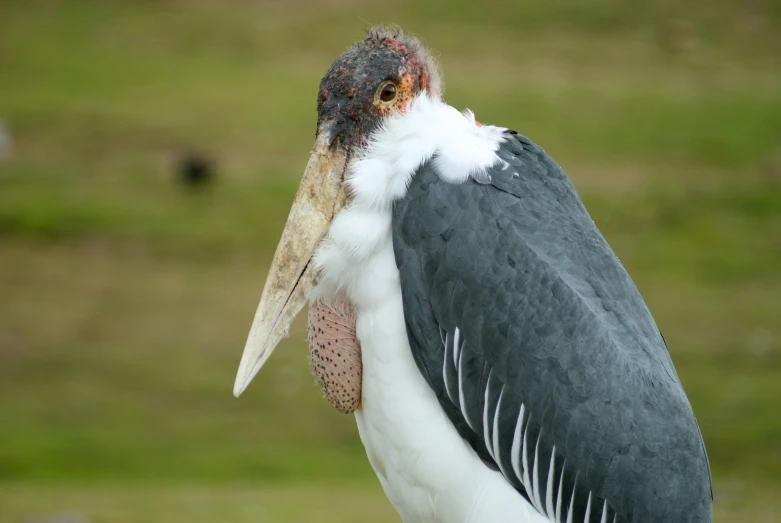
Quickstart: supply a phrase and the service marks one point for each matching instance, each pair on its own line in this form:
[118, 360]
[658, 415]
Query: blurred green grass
[197, 504]
[125, 301]
[241, 503]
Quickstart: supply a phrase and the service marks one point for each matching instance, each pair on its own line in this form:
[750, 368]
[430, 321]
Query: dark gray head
[374, 78]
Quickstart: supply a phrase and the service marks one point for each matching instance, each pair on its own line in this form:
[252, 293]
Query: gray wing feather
[540, 348]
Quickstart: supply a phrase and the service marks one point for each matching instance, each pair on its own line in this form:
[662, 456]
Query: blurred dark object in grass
[195, 170]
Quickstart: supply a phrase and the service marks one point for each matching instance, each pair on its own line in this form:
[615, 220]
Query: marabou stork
[511, 371]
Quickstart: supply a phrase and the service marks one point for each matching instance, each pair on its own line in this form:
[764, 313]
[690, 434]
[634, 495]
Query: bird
[510, 369]
[194, 170]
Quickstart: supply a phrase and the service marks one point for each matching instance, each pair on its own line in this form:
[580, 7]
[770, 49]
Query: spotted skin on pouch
[335, 354]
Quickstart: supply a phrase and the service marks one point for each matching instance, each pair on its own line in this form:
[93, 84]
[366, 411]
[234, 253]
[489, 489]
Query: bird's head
[374, 80]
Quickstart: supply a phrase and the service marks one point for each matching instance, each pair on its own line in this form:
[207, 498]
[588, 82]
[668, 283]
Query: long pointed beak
[292, 276]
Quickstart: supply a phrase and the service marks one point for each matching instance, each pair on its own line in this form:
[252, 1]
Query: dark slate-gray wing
[541, 350]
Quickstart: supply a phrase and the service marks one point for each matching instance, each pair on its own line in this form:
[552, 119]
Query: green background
[125, 299]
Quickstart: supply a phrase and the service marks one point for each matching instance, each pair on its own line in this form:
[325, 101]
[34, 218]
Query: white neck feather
[383, 171]
[359, 237]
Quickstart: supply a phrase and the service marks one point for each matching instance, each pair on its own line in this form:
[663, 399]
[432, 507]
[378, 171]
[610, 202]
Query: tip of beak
[241, 384]
[239, 387]
[247, 371]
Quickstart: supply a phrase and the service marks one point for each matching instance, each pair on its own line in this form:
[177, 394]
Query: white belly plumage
[429, 473]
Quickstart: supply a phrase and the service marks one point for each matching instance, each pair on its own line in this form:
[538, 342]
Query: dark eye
[387, 92]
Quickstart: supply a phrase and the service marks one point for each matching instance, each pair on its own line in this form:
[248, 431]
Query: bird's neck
[429, 128]
[357, 256]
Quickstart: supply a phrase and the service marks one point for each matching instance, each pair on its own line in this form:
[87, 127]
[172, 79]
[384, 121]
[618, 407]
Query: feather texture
[548, 316]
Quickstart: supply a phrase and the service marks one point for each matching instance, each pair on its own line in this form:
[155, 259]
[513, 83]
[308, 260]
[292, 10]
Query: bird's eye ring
[387, 92]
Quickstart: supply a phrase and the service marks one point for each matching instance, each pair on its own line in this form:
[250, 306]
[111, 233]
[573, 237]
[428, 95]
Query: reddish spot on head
[395, 44]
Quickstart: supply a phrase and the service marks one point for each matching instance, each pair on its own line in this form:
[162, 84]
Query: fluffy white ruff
[460, 149]
[429, 127]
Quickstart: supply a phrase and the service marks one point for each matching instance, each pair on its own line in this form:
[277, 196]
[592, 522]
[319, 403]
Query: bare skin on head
[334, 353]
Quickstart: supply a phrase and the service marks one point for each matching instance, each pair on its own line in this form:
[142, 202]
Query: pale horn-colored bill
[292, 275]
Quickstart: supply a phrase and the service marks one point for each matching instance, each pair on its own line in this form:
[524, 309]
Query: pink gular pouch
[334, 353]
